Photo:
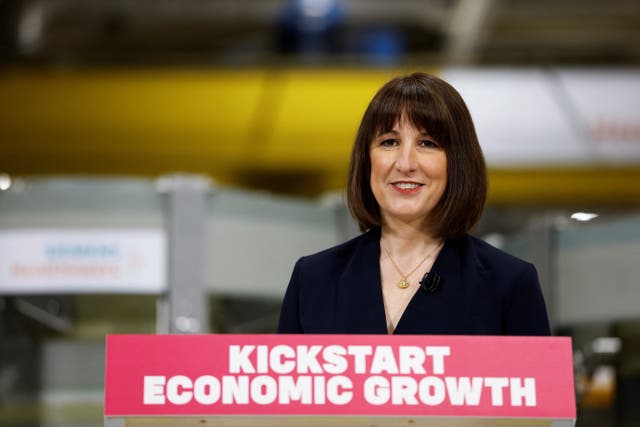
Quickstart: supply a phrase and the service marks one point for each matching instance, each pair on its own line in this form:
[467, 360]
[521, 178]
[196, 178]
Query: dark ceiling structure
[320, 32]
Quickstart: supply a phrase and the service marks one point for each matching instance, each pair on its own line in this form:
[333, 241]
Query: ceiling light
[316, 8]
[610, 345]
[5, 181]
[584, 216]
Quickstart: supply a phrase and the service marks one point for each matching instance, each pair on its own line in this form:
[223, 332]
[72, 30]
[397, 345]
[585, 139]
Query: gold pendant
[403, 283]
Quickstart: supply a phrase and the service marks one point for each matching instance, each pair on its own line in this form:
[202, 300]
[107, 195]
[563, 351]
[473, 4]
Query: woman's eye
[428, 143]
[389, 142]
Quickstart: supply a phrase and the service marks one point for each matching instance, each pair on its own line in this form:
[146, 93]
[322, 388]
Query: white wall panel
[598, 272]
[254, 241]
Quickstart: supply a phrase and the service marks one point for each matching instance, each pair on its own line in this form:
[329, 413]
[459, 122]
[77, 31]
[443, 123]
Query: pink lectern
[338, 380]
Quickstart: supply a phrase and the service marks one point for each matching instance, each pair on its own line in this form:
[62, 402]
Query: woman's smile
[406, 187]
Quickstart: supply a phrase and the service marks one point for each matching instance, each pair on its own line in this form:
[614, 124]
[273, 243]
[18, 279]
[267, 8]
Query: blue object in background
[310, 27]
[383, 46]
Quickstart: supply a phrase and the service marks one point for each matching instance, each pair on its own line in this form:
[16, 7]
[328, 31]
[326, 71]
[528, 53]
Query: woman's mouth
[406, 187]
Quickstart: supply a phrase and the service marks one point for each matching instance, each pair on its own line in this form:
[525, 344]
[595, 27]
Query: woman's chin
[405, 217]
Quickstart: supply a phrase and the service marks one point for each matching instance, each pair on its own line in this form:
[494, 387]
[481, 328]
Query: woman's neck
[407, 239]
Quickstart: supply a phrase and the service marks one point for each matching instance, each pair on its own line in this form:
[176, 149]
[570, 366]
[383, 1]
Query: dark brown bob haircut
[432, 105]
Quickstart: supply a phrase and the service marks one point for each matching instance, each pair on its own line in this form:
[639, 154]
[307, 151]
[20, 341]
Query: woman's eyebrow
[395, 132]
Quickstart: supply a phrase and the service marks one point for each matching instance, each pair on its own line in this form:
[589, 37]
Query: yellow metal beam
[263, 128]
[594, 186]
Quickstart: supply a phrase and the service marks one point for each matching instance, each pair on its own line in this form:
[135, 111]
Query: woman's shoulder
[516, 282]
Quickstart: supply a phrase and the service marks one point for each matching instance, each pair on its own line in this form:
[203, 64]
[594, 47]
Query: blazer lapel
[360, 308]
[433, 310]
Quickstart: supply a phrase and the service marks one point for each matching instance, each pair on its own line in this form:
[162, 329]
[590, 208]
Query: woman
[417, 185]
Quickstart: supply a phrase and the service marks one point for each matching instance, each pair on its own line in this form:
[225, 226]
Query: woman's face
[408, 173]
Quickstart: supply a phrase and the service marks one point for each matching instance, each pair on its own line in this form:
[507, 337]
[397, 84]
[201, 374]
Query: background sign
[82, 261]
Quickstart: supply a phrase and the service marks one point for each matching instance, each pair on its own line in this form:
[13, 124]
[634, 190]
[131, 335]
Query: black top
[482, 291]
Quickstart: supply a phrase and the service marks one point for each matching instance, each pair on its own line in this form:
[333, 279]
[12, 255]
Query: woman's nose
[405, 160]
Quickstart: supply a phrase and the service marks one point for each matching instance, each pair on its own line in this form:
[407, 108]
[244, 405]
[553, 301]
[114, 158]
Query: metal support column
[184, 308]
[543, 255]
[468, 24]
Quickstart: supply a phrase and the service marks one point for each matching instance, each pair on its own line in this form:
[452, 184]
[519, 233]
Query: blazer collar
[448, 262]
[359, 301]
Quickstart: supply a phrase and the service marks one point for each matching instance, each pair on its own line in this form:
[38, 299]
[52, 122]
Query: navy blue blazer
[482, 291]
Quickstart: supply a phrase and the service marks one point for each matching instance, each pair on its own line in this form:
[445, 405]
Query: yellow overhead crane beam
[288, 130]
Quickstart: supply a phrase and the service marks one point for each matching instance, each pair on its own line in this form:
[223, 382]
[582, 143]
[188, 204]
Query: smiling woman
[417, 187]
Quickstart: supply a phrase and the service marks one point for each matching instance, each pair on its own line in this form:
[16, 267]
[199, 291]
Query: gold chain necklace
[403, 283]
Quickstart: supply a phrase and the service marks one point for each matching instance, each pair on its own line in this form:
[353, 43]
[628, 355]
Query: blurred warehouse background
[144, 144]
